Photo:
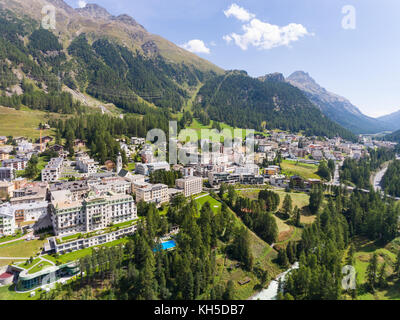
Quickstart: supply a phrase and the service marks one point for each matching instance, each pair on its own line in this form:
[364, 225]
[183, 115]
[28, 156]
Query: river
[272, 291]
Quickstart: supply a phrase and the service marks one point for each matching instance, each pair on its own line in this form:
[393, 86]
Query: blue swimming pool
[166, 245]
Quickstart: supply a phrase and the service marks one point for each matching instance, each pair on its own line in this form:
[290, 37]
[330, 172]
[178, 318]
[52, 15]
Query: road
[378, 179]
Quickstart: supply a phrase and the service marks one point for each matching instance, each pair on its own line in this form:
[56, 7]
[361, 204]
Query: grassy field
[364, 251]
[196, 125]
[6, 262]
[304, 170]
[24, 122]
[26, 265]
[76, 255]
[21, 248]
[215, 205]
[8, 293]
[298, 199]
[9, 238]
[40, 266]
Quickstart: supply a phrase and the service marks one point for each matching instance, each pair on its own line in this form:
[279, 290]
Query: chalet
[109, 165]
[3, 139]
[297, 182]
[45, 139]
[78, 143]
[271, 170]
[4, 155]
[19, 140]
[56, 148]
[244, 281]
[317, 155]
[312, 182]
[16, 163]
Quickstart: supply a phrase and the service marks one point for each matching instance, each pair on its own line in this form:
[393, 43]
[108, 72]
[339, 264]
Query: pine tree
[397, 264]
[372, 272]
[382, 282]
[287, 206]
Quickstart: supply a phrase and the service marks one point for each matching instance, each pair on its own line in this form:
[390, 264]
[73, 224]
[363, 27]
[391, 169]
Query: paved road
[378, 179]
[14, 258]
[203, 195]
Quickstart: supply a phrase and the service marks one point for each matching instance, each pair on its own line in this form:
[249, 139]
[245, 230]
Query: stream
[272, 291]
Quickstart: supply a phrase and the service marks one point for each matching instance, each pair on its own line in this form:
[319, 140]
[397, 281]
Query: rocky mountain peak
[275, 77]
[95, 11]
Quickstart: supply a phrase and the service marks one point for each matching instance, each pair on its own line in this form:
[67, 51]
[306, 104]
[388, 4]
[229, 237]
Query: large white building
[85, 164]
[33, 192]
[152, 193]
[7, 221]
[7, 174]
[52, 171]
[30, 211]
[113, 184]
[16, 163]
[190, 185]
[147, 168]
[70, 215]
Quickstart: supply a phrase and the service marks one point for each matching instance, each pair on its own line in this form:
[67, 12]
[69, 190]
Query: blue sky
[361, 64]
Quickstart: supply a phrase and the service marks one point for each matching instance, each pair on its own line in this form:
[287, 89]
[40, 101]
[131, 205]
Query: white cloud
[239, 13]
[213, 43]
[195, 46]
[227, 38]
[264, 35]
[81, 3]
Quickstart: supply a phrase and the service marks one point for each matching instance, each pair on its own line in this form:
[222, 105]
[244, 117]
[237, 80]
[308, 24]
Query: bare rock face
[150, 48]
[94, 11]
[275, 77]
[304, 82]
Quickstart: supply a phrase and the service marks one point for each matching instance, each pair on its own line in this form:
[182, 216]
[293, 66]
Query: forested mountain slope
[95, 63]
[239, 100]
[111, 59]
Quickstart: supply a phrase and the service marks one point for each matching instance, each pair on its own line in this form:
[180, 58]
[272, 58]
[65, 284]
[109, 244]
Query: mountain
[392, 120]
[246, 102]
[336, 107]
[277, 77]
[97, 23]
[113, 59]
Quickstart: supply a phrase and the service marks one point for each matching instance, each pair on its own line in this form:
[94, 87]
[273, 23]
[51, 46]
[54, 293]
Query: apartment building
[78, 188]
[190, 185]
[16, 163]
[85, 164]
[6, 189]
[147, 168]
[7, 221]
[152, 193]
[32, 192]
[216, 178]
[70, 215]
[29, 211]
[114, 184]
[4, 155]
[52, 171]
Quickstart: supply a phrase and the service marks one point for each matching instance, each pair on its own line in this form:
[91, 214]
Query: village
[79, 203]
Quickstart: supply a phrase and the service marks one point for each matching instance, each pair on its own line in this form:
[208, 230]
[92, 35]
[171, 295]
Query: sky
[350, 47]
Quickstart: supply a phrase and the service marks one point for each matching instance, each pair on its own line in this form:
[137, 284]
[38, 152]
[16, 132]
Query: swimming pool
[166, 245]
